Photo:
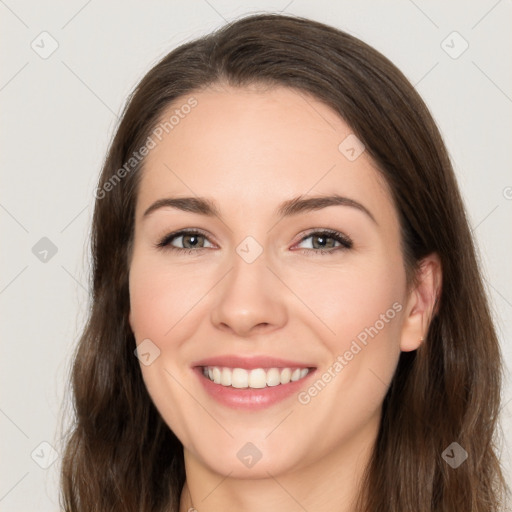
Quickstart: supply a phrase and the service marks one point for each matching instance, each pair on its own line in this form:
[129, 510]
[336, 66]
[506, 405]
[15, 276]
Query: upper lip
[249, 363]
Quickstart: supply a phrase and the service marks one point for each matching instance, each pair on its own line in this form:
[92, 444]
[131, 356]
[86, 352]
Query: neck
[329, 483]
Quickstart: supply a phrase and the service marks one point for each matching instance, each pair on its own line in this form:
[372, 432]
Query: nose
[250, 299]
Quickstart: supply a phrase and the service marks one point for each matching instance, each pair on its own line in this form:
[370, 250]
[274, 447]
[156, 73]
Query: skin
[249, 150]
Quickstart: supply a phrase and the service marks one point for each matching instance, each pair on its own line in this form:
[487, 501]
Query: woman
[287, 311]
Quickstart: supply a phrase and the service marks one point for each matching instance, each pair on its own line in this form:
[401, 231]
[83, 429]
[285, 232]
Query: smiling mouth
[256, 378]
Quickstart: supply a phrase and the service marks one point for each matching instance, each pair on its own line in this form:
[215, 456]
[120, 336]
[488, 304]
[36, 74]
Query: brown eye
[192, 241]
[189, 240]
[327, 241]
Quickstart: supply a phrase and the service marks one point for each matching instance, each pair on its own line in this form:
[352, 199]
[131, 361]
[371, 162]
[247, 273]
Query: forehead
[255, 147]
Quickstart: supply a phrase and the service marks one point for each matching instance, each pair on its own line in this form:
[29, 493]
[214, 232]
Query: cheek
[360, 300]
[363, 309]
[160, 296]
[161, 301]
[361, 306]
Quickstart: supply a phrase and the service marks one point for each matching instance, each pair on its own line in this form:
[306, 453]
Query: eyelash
[345, 241]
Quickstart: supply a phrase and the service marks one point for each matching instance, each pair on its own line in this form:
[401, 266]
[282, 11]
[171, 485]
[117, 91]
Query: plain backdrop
[66, 71]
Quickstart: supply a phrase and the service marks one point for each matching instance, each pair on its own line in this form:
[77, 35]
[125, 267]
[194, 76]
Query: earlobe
[422, 303]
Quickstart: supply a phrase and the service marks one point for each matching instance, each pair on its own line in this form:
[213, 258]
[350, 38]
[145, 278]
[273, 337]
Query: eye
[191, 241]
[326, 241]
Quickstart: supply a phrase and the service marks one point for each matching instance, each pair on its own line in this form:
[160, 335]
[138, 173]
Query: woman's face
[259, 295]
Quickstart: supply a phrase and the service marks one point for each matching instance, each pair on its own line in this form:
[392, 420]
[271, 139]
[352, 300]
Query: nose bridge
[249, 295]
[248, 280]
[250, 262]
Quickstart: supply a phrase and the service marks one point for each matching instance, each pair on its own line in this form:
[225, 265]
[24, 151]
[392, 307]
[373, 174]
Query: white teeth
[273, 377]
[257, 378]
[225, 377]
[295, 374]
[239, 378]
[286, 374]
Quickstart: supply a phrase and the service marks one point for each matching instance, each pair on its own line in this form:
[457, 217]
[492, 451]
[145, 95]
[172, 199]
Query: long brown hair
[121, 456]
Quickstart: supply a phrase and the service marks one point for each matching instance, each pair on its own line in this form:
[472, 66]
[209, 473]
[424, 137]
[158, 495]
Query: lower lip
[249, 398]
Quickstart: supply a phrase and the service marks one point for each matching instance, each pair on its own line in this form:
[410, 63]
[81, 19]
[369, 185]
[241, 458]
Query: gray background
[59, 113]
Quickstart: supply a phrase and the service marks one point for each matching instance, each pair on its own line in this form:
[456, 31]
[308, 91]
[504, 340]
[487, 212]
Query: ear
[422, 302]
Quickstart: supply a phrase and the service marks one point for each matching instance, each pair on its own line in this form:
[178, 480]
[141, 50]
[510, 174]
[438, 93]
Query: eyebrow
[290, 207]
